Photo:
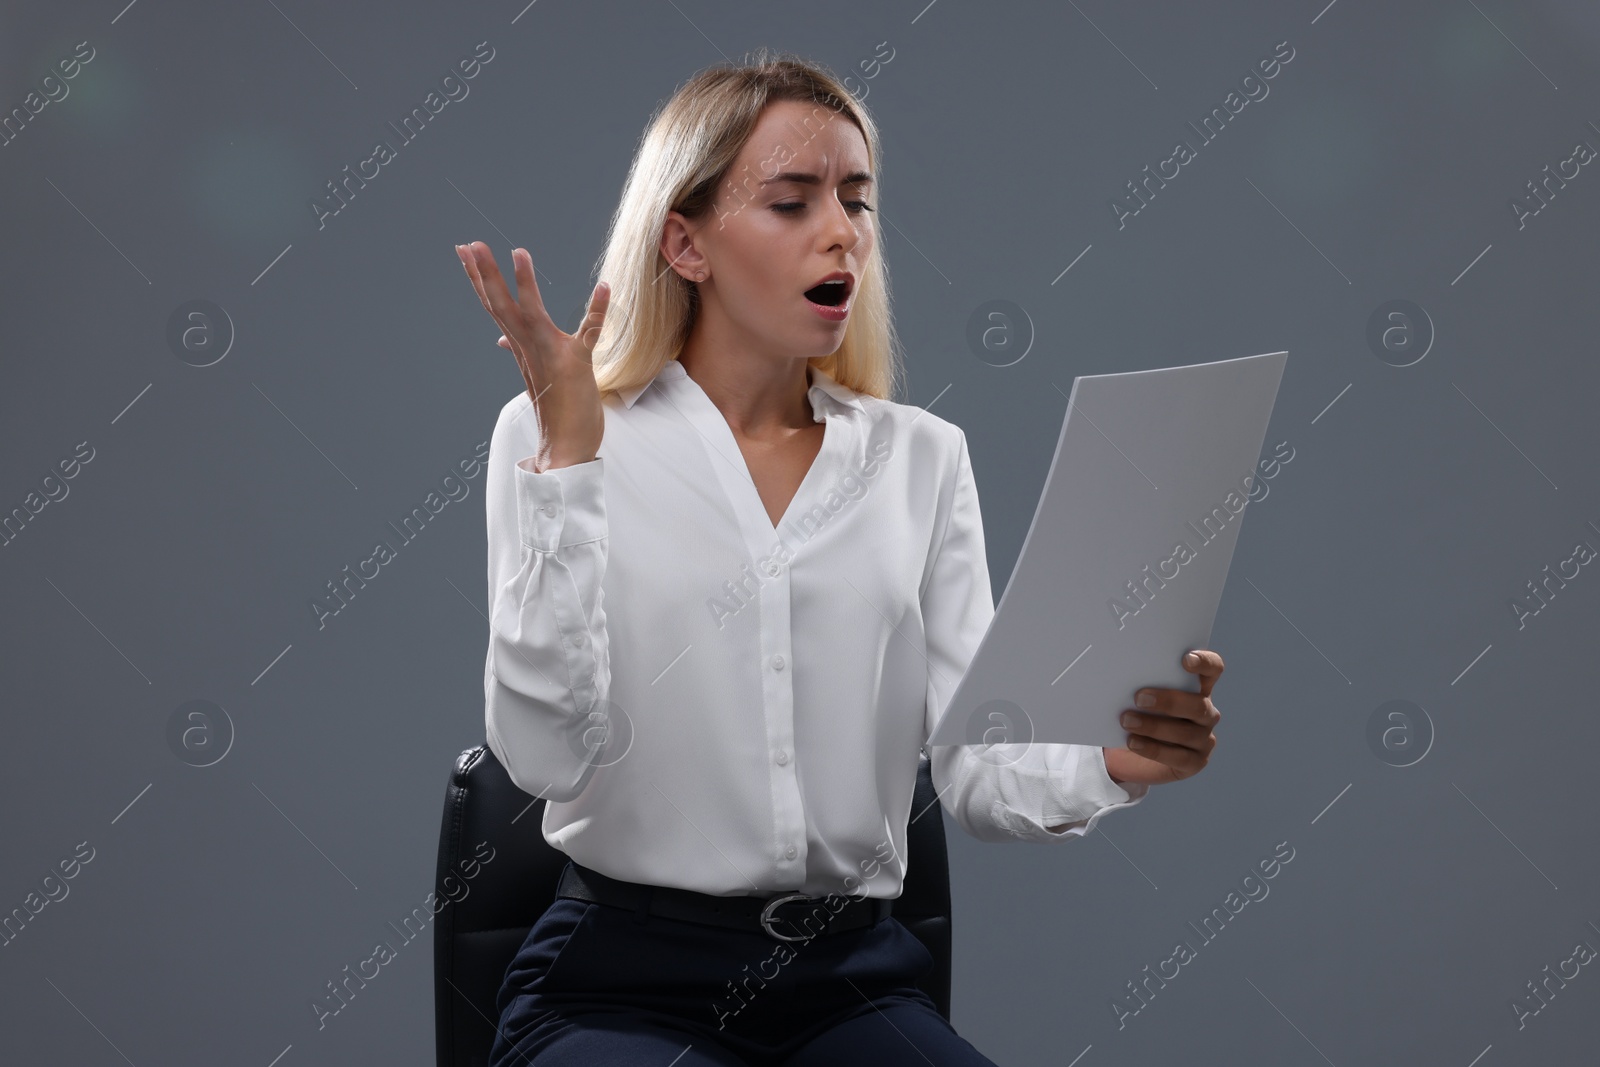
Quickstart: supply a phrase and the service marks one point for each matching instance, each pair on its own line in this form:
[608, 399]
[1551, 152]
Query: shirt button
[777, 663]
[577, 640]
[549, 509]
[783, 758]
[789, 852]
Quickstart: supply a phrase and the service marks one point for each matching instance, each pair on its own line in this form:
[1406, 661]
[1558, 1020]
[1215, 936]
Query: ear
[678, 247]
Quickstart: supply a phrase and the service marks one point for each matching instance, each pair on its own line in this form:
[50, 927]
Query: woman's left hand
[1171, 739]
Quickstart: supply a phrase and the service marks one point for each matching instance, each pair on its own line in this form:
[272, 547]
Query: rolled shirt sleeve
[1009, 791]
[547, 674]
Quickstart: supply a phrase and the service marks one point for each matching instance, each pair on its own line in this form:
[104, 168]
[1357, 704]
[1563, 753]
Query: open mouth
[828, 294]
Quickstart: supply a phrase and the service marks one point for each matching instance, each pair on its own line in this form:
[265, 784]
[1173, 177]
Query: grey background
[1420, 899]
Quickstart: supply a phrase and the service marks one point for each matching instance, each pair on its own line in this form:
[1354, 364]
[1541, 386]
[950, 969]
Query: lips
[832, 290]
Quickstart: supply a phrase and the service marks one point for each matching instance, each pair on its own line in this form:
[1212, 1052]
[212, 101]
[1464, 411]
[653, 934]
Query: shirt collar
[821, 381]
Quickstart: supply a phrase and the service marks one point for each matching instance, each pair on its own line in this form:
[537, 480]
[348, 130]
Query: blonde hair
[683, 159]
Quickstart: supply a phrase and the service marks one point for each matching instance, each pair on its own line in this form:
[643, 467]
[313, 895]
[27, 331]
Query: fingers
[468, 255]
[515, 317]
[1173, 727]
[469, 264]
[1183, 760]
[528, 297]
[491, 281]
[1179, 703]
[1207, 664]
[1189, 733]
[589, 332]
[491, 286]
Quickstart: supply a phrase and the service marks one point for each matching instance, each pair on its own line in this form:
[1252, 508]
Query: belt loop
[641, 913]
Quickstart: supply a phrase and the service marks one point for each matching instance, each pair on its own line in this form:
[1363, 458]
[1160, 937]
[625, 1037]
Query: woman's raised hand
[557, 367]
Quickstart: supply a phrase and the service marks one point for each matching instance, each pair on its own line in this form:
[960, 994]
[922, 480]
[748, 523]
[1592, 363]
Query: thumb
[594, 319]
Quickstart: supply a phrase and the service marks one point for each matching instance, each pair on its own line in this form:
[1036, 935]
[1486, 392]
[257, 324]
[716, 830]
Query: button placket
[776, 651]
[777, 685]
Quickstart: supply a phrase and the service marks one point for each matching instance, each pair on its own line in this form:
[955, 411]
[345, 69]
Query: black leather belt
[782, 916]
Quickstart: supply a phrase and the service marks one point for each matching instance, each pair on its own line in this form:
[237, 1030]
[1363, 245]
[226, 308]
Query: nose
[840, 229]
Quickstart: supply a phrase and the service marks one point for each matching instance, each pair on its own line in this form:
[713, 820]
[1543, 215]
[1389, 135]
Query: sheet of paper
[1123, 567]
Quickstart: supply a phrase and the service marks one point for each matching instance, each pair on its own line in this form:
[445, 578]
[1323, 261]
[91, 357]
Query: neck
[755, 393]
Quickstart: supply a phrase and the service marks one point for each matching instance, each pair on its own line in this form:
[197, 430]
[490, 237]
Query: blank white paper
[1123, 566]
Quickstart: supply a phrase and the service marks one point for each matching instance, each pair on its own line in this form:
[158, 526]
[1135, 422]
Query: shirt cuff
[1082, 791]
[560, 507]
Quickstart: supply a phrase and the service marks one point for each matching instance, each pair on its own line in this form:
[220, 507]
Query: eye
[794, 207]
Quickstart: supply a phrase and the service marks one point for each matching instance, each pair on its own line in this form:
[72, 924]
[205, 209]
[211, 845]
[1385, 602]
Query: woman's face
[794, 208]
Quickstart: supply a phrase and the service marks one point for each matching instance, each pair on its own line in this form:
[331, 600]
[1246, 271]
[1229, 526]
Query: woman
[733, 587]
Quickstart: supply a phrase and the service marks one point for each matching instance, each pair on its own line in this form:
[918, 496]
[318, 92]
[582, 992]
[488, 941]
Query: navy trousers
[595, 984]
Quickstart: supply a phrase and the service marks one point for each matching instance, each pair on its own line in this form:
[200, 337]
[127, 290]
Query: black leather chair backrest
[499, 874]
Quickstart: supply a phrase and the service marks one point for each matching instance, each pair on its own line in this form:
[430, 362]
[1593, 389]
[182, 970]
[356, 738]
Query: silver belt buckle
[767, 915]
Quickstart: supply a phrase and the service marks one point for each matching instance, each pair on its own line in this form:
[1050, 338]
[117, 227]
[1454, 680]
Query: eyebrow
[859, 177]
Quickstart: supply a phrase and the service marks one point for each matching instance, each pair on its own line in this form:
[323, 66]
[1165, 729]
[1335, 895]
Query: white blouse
[714, 703]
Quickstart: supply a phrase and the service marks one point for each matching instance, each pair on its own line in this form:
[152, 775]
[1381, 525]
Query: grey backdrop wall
[249, 390]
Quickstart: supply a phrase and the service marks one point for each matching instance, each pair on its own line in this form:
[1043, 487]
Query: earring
[699, 274]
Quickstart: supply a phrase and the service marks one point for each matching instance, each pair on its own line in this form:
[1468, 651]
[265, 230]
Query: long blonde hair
[683, 159]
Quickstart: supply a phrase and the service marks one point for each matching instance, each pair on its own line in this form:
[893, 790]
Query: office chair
[476, 936]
